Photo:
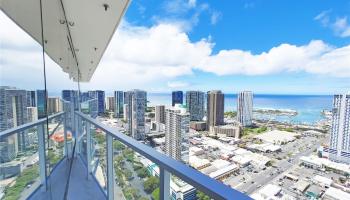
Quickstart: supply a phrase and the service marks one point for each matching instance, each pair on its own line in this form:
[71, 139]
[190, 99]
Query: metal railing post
[79, 134]
[110, 174]
[164, 190]
[65, 135]
[88, 148]
[42, 155]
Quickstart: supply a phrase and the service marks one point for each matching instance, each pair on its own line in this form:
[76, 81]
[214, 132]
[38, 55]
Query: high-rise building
[126, 112]
[177, 98]
[136, 100]
[54, 105]
[160, 114]
[195, 105]
[90, 107]
[177, 125]
[32, 114]
[71, 96]
[31, 99]
[13, 112]
[119, 103]
[215, 108]
[100, 101]
[110, 103]
[245, 108]
[40, 101]
[339, 147]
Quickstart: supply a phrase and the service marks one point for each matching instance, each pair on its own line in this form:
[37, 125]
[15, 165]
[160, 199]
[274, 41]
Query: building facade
[40, 101]
[54, 105]
[71, 96]
[176, 133]
[195, 105]
[160, 114]
[137, 103]
[119, 103]
[32, 114]
[176, 97]
[215, 108]
[100, 95]
[13, 112]
[110, 104]
[339, 147]
[31, 99]
[245, 108]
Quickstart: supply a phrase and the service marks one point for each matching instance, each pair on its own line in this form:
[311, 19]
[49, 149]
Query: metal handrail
[210, 186]
[26, 126]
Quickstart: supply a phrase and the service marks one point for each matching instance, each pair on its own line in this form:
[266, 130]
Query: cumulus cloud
[340, 25]
[138, 56]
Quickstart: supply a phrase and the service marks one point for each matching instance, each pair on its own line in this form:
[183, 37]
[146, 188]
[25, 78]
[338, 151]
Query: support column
[88, 148]
[42, 155]
[110, 174]
[164, 190]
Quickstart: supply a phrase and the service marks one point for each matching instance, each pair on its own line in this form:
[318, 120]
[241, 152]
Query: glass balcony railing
[29, 166]
[123, 167]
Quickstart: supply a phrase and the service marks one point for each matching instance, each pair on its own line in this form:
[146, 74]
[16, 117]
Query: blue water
[309, 107]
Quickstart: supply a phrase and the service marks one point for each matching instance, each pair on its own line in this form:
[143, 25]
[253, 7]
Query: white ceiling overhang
[91, 25]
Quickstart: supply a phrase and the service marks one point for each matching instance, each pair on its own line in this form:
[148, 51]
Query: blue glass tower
[100, 95]
[177, 98]
[119, 103]
[41, 103]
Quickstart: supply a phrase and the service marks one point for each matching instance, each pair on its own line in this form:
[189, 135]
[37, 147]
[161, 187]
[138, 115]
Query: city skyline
[296, 53]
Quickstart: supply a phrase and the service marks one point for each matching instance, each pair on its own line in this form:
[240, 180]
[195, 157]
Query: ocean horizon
[308, 106]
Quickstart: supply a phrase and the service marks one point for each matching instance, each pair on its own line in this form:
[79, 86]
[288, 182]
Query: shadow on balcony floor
[79, 186]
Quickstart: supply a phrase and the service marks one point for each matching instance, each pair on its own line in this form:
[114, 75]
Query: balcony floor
[79, 186]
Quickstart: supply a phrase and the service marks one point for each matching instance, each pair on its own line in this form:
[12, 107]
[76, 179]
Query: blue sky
[255, 26]
[271, 47]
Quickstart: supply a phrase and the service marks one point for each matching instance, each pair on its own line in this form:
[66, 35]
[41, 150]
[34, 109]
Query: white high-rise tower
[245, 108]
[177, 126]
[339, 147]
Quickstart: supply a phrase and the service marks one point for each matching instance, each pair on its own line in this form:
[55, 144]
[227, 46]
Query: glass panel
[99, 155]
[55, 143]
[136, 177]
[21, 99]
[19, 169]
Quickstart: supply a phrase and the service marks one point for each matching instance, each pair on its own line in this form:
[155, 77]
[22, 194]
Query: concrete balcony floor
[79, 186]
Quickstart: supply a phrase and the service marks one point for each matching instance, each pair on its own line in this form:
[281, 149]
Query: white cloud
[315, 58]
[138, 57]
[215, 17]
[178, 84]
[340, 26]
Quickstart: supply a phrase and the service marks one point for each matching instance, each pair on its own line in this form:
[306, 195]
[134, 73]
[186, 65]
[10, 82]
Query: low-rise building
[322, 181]
[301, 186]
[199, 163]
[324, 163]
[228, 130]
[241, 160]
[277, 137]
[266, 147]
[196, 151]
[335, 194]
[198, 126]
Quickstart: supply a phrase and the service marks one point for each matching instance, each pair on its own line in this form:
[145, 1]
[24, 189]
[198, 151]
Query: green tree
[118, 145]
[202, 196]
[151, 184]
[155, 194]
[142, 173]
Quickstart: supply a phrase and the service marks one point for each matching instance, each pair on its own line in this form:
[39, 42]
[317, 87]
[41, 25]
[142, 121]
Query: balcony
[82, 164]
[70, 155]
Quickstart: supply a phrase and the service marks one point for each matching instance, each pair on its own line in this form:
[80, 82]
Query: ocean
[309, 107]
